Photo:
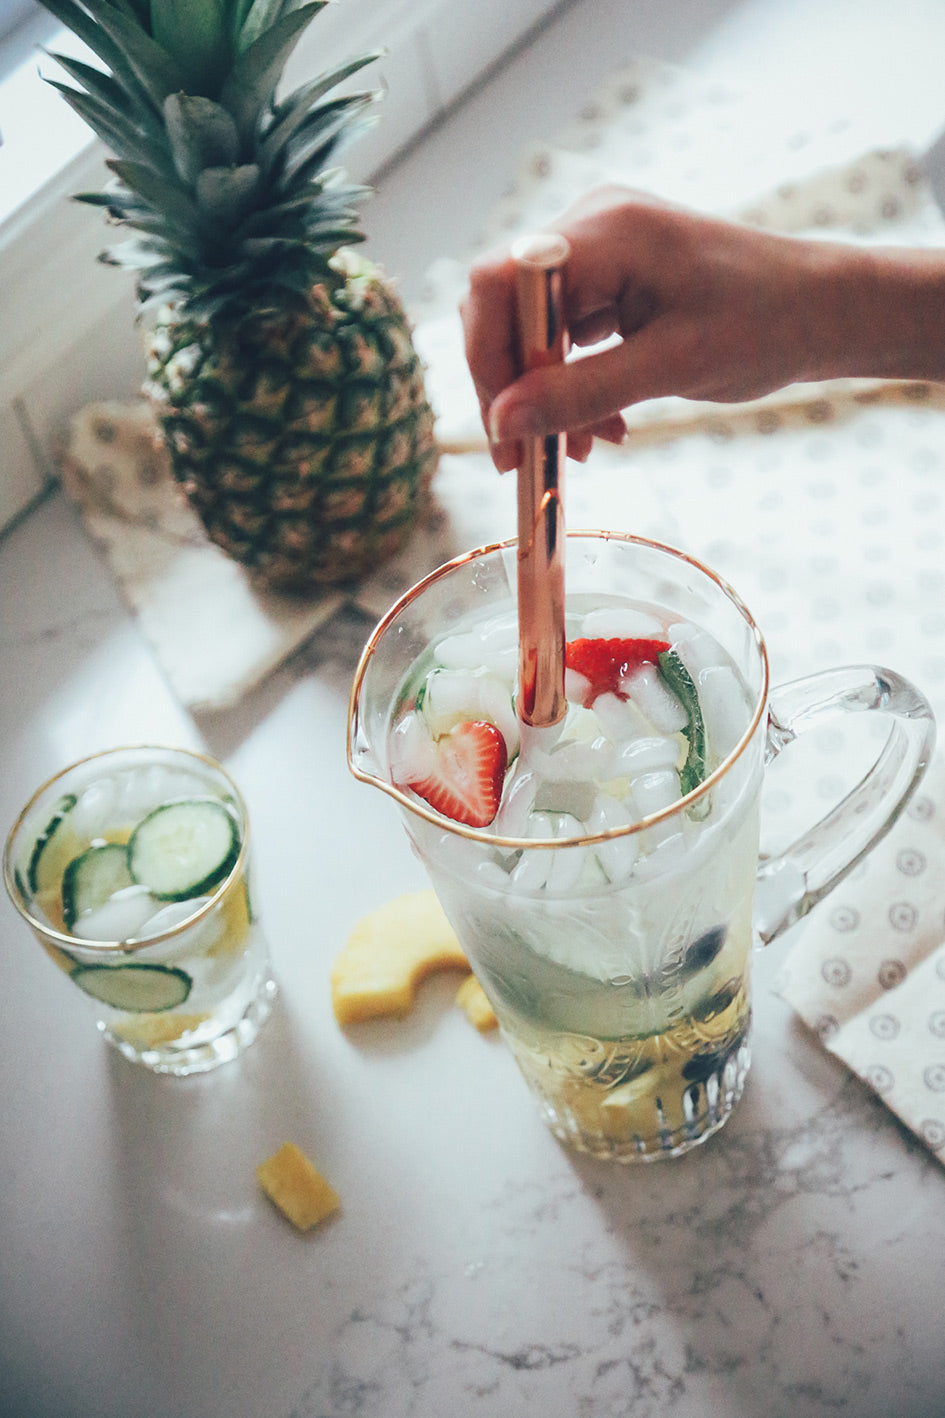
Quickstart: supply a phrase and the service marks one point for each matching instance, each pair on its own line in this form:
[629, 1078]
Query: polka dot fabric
[868, 973]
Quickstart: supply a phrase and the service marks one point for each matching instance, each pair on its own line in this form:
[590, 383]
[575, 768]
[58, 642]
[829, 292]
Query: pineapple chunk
[471, 997]
[387, 955]
[152, 1030]
[296, 1187]
[237, 918]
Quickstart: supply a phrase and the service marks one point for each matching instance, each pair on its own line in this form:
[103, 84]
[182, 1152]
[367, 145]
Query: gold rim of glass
[133, 943]
[482, 834]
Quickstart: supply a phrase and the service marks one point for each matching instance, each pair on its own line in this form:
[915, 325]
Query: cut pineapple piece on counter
[471, 998]
[387, 955]
[294, 1185]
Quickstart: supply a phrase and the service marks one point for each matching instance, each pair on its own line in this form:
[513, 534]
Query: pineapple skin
[301, 436]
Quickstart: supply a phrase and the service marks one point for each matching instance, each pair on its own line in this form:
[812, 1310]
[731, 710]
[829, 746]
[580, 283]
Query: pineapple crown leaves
[227, 187]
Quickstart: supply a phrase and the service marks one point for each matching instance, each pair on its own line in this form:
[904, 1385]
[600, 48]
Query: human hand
[700, 307]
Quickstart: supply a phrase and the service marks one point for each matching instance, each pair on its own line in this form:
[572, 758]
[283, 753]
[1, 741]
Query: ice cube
[723, 707]
[214, 977]
[577, 687]
[566, 862]
[653, 792]
[170, 915]
[461, 695]
[94, 812]
[646, 754]
[452, 697]
[140, 790]
[492, 645]
[620, 720]
[655, 701]
[410, 750]
[617, 856]
[574, 762]
[621, 623]
[201, 937]
[495, 704]
[120, 918]
[454, 856]
[533, 867]
[581, 725]
[663, 848]
[539, 740]
[695, 647]
[518, 799]
[458, 652]
[490, 875]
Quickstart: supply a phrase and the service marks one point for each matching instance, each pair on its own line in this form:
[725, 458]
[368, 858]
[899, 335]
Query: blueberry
[704, 950]
[702, 1066]
[719, 1002]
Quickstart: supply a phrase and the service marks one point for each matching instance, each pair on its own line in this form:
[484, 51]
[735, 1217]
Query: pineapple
[280, 363]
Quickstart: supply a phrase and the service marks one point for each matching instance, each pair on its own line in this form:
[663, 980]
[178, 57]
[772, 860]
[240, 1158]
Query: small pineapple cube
[471, 997]
[296, 1187]
[388, 953]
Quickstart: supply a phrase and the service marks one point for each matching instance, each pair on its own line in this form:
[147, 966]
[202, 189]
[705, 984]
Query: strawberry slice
[465, 772]
[603, 663]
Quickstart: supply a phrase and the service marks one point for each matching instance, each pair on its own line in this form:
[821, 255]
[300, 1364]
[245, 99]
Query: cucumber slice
[53, 848]
[680, 681]
[90, 880]
[140, 989]
[184, 848]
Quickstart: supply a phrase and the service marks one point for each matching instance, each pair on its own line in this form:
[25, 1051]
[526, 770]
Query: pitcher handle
[791, 883]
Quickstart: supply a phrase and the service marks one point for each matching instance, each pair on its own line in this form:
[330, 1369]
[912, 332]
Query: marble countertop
[791, 1266]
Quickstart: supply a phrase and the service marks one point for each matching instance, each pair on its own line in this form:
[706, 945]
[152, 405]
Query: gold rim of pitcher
[483, 834]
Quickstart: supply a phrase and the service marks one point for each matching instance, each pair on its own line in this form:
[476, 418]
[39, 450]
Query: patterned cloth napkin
[868, 973]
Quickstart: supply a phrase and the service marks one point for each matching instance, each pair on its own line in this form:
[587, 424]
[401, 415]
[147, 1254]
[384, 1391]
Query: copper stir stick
[539, 265]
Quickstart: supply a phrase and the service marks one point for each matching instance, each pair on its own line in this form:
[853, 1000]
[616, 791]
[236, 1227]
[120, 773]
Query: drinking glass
[132, 870]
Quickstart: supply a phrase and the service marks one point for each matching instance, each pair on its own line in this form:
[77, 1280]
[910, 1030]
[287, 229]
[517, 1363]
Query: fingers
[582, 394]
[489, 330]
[612, 429]
[507, 455]
[491, 340]
[602, 304]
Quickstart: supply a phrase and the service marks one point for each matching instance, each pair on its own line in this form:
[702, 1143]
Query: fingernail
[519, 421]
[617, 439]
[492, 428]
[504, 456]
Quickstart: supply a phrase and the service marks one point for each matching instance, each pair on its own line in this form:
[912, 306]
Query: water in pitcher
[615, 953]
